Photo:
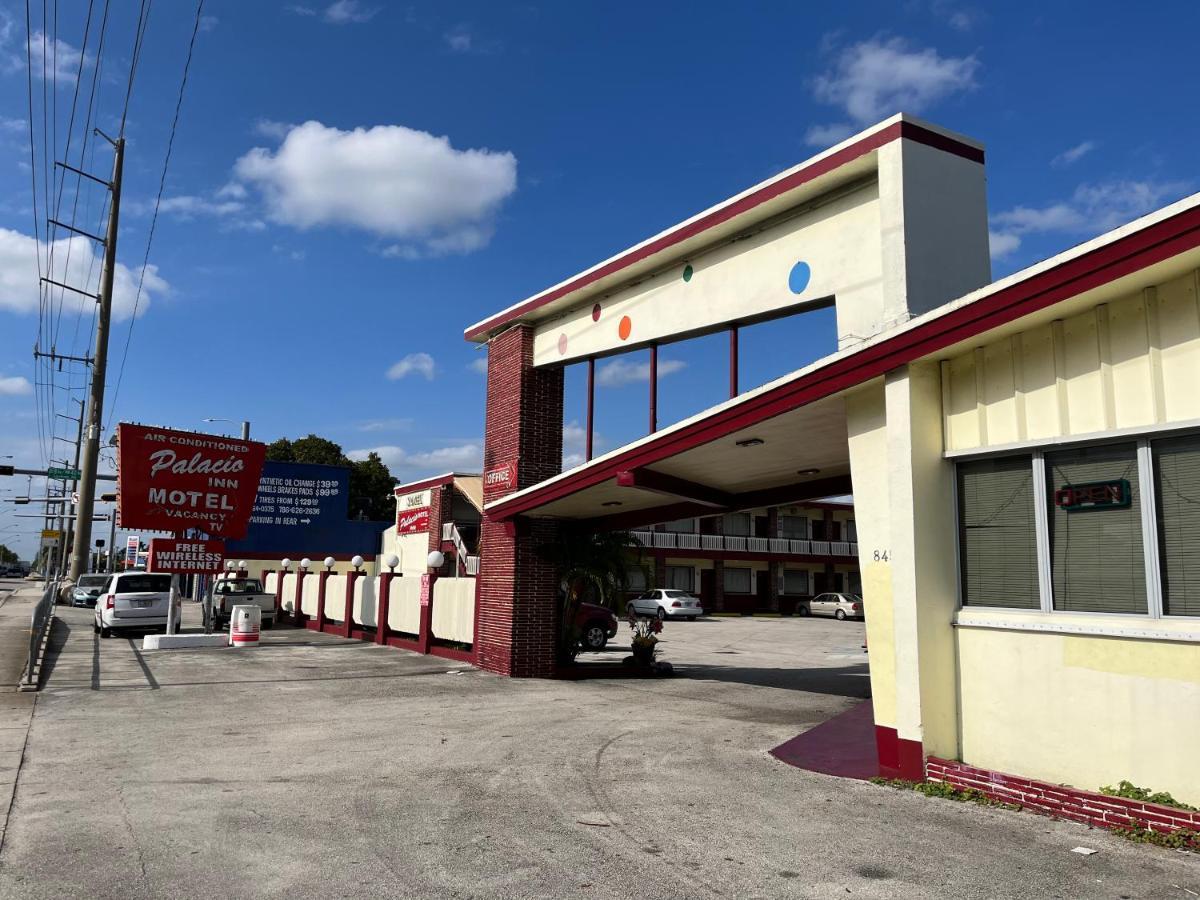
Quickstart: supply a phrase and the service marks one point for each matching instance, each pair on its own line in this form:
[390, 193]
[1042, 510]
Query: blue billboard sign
[301, 510]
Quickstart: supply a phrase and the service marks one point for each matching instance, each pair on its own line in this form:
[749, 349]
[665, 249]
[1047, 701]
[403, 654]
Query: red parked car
[595, 625]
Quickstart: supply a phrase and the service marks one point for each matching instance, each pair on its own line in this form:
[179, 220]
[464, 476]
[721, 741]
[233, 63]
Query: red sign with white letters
[171, 480]
[412, 521]
[501, 478]
[191, 557]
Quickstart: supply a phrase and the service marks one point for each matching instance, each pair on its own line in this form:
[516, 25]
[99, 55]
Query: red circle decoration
[596, 313]
[562, 344]
[625, 328]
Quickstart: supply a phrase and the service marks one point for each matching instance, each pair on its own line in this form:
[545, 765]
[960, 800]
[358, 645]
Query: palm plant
[586, 562]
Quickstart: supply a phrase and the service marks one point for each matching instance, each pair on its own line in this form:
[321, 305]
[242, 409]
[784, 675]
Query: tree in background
[8, 557]
[371, 483]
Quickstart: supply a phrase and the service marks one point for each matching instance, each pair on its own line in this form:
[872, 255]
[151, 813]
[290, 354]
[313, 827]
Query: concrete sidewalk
[16, 709]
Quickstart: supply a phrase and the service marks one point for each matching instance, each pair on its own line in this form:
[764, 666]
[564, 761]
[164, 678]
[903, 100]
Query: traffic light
[7, 470]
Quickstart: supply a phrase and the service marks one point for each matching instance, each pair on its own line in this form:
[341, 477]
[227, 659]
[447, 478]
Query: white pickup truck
[228, 592]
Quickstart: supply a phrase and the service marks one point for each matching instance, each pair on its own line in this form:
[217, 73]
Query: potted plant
[589, 564]
[645, 639]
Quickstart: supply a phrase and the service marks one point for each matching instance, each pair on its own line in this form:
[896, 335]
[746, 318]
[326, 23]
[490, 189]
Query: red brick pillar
[773, 568]
[718, 585]
[660, 572]
[517, 624]
[440, 507]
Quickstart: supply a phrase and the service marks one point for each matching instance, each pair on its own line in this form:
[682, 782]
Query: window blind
[1097, 557]
[1177, 490]
[795, 581]
[737, 581]
[681, 578]
[997, 537]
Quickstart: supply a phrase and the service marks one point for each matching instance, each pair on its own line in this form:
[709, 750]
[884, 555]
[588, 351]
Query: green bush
[1131, 791]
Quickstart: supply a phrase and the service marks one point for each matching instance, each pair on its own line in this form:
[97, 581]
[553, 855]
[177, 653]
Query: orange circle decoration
[625, 328]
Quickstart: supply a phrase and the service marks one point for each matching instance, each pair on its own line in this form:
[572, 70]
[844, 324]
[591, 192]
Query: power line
[157, 200]
[138, 37]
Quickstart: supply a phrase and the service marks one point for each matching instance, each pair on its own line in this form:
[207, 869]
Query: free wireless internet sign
[172, 480]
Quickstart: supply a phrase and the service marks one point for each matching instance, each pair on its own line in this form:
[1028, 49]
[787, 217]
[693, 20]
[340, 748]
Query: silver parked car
[666, 603]
[87, 589]
[840, 606]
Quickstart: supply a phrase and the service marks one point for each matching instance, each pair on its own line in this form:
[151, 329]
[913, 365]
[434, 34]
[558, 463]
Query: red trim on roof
[1100, 266]
[414, 486]
[907, 130]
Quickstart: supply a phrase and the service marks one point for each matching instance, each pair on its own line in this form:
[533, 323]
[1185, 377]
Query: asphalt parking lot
[316, 767]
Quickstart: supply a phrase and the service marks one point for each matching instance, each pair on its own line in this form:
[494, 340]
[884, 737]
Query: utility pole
[66, 510]
[91, 448]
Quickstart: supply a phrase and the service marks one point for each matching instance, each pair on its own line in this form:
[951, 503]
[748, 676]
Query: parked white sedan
[666, 603]
[840, 606]
[134, 600]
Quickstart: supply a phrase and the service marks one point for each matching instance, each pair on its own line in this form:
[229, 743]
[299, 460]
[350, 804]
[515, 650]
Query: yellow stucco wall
[1130, 363]
[1081, 710]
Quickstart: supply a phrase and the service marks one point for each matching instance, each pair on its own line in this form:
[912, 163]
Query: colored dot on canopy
[687, 272]
[596, 313]
[562, 344]
[799, 277]
[625, 328]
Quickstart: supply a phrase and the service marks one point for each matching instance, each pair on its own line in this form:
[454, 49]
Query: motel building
[769, 559]
[1024, 454]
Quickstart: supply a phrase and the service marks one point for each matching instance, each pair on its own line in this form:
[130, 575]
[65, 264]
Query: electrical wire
[111, 407]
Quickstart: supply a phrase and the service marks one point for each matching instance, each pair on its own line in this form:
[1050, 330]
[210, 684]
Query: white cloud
[188, 206]
[413, 363]
[15, 386]
[457, 458]
[1092, 209]
[458, 39]
[1073, 154]
[272, 128]
[479, 364]
[575, 444]
[346, 12]
[11, 125]
[57, 59]
[827, 135]
[209, 23]
[620, 371]
[19, 276]
[876, 78]
[343, 12]
[391, 181]
[386, 425]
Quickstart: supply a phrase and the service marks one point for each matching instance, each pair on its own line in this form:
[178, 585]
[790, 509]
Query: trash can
[244, 625]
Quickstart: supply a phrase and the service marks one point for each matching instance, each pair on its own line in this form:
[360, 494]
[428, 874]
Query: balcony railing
[732, 543]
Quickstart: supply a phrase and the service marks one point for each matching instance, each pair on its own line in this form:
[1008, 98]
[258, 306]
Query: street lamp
[392, 561]
[245, 425]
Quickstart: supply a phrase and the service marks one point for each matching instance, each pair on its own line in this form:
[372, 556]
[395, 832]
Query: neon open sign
[1094, 495]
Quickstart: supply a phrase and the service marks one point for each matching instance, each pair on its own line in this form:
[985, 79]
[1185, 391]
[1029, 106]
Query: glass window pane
[737, 524]
[1177, 486]
[636, 578]
[737, 581]
[795, 582]
[680, 578]
[793, 527]
[682, 526]
[997, 537]
[1096, 553]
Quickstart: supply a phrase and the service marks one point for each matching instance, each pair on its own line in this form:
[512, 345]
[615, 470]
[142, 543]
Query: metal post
[62, 565]
[245, 431]
[733, 361]
[95, 417]
[591, 403]
[653, 388]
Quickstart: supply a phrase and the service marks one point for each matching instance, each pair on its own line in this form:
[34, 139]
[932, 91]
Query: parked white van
[135, 600]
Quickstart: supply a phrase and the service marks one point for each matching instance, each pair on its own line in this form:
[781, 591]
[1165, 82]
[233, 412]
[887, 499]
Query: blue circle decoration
[799, 277]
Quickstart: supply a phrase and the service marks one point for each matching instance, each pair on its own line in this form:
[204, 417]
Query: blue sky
[353, 184]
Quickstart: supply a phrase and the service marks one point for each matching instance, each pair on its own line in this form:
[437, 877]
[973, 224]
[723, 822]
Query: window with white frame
[793, 528]
[851, 531]
[997, 538]
[738, 581]
[795, 582]
[1096, 528]
[681, 578]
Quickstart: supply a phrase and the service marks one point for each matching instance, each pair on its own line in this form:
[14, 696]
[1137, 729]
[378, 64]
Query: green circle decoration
[687, 272]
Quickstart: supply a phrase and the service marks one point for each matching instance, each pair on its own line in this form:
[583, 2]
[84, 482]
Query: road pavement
[313, 767]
